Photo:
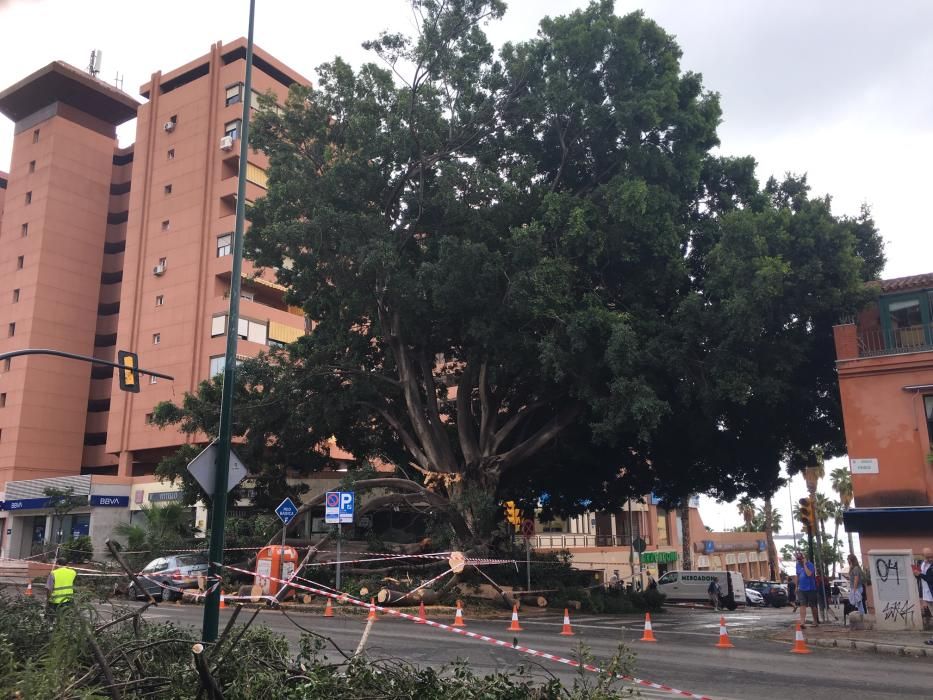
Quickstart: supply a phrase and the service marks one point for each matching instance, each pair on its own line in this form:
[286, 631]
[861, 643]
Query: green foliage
[160, 530]
[549, 232]
[77, 551]
[43, 659]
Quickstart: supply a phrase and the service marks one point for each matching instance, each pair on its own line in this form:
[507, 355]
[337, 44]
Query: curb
[892, 649]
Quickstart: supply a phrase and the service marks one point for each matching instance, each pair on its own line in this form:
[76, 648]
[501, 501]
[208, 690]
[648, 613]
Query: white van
[692, 586]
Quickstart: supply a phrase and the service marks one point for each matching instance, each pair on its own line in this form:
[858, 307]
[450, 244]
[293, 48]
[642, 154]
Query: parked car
[691, 586]
[178, 571]
[773, 592]
[754, 598]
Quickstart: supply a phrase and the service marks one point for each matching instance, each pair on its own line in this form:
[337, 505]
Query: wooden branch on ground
[389, 597]
[207, 680]
[129, 572]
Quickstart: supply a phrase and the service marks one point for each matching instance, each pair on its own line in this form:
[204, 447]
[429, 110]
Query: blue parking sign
[345, 508]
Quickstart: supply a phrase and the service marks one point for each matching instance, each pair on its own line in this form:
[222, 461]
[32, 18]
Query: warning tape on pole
[480, 637]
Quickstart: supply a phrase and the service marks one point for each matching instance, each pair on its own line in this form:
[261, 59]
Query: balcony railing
[895, 341]
[563, 540]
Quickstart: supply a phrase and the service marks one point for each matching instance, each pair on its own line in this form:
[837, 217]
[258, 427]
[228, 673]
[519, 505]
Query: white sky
[838, 89]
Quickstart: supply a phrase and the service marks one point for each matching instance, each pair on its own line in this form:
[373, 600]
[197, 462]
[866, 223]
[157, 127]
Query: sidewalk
[833, 635]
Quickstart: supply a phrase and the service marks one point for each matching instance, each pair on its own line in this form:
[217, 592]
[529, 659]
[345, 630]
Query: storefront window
[928, 405]
[664, 534]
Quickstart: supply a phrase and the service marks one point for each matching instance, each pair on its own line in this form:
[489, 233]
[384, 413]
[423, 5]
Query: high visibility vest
[63, 581]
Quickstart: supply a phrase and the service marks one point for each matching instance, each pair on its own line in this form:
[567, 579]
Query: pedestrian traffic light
[805, 514]
[129, 371]
[512, 513]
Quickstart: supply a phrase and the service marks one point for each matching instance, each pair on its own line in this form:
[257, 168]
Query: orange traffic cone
[458, 618]
[800, 644]
[28, 589]
[514, 627]
[372, 609]
[724, 641]
[223, 601]
[328, 609]
[422, 620]
[648, 635]
[566, 630]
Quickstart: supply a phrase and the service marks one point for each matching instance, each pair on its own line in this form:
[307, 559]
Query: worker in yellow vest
[60, 585]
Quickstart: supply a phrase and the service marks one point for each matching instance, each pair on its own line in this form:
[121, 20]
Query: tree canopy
[530, 274]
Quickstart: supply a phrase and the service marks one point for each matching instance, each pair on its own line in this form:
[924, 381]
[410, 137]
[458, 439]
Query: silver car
[178, 571]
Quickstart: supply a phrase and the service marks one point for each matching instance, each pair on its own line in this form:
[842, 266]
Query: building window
[664, 534]
[165, 225]
[253, 331]
[15, 296]
[234, 94]
[168, 189]
[12, 330]
[232, 129]
[163, 262]
[928, 405]
[24, 230]
[153, 380]
[907, 320]
[2, 400]
[20, 261]
[160, 299]
[217, 365]
[170, 154]
[35, 136]
[32, 166]
[29, 197]
[218, 326]
[148, 419]
[156, 338]
[6, 364]
[173, 119]
[224, 244]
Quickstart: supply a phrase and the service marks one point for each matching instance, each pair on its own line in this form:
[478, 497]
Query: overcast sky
[838, 89]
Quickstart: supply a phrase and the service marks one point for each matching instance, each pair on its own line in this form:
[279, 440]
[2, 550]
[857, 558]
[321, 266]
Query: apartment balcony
[565, 540]
[895, 341]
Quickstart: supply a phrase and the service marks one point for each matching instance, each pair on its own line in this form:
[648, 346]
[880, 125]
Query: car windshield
[191, 560]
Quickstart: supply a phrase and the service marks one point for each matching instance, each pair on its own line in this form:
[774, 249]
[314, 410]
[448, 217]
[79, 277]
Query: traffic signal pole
[225, 431]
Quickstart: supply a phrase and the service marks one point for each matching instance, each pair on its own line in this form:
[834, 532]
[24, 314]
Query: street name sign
[286, 510]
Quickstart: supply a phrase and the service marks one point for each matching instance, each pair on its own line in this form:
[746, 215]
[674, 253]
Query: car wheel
[170, 596]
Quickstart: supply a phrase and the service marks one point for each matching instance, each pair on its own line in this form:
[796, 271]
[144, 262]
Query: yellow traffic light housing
[806, 513]
[512, 513]
[129, 371]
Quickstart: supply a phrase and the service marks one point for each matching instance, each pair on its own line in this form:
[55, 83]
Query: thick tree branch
[434, 417]
[506, 430]
[551, 429]
[416, 452]
[465, 427]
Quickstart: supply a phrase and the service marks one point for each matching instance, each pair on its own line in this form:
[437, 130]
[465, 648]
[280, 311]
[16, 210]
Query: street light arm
[83, 358]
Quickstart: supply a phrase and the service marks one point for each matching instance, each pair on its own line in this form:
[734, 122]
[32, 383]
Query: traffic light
[805, 514]
[129, 371]
[512, 513]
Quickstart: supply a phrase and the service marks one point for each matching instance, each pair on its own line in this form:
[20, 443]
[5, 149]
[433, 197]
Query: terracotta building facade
[105, 248]
[885, 365]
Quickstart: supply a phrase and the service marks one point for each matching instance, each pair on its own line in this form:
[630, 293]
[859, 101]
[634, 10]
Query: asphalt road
[684, 656]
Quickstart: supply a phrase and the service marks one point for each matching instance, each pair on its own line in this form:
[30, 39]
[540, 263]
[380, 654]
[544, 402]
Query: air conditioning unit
[169, 126]
[226, 143]
[158, 270]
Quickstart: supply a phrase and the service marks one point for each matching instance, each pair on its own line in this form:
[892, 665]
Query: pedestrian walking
[806, 589]
[714, 590]
[652, 584]
[856, 585]
[792, 592]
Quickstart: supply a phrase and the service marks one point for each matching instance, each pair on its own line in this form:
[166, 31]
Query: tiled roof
[904, 283]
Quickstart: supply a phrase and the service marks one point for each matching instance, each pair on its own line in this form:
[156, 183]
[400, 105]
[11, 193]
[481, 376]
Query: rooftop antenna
[118, 81]
[93, 67]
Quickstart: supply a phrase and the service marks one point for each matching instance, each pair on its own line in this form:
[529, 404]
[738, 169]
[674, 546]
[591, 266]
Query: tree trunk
[835, 539]
[686, 545]
[387, 596]
[773, 562]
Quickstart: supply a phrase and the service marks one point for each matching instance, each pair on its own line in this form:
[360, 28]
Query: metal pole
[282, 558]
[631, 543]
[219, 497]
[339, 555]
[527, 563]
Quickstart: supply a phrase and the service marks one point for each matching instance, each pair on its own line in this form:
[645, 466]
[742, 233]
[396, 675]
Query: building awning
[284, 334]
[889, 520]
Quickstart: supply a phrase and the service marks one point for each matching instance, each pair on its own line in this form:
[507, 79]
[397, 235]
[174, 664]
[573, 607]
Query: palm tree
[161, 529]
[823, 508]
[841, 480]
[837, 518]
[746, 507]
[769, 524]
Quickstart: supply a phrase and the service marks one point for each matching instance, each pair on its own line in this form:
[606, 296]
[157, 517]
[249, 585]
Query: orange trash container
[275, 561]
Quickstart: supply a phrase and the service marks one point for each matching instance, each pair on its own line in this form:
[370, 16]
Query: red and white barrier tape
[482, 637]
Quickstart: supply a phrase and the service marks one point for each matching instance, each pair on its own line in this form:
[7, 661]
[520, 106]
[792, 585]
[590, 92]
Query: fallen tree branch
[207, 680]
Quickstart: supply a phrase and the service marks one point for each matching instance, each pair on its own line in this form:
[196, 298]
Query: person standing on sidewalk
[856, 585]
[61, 588]
[714, 590]
[792, 592]
[806, 589]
